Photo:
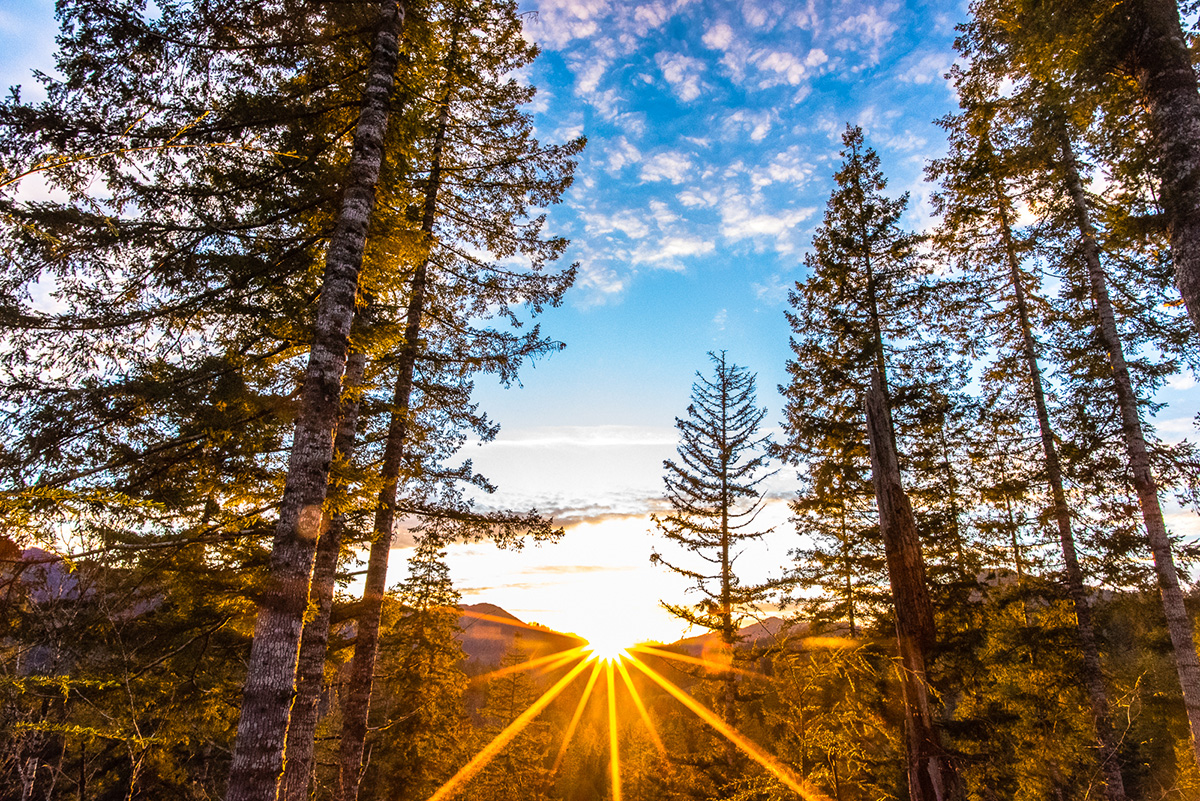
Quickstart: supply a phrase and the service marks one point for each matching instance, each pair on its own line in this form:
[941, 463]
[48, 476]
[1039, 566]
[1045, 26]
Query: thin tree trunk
[271, 673]
[846, 564]
[314, 643]
[357, 708]
[1179, 624]
[728, 634]
[952, 486]
[1093, 675]
[1162, 65]
[931, 774]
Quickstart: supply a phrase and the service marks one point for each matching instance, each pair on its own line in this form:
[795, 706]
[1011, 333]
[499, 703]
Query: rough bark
[931, 773]
[1162, 66]
[1092, 673]
[1179, 624]
[271, 673]
[357, 707]
[314, 642]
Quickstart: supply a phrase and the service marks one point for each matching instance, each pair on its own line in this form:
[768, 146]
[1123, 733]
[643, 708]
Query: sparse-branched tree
[715, 495]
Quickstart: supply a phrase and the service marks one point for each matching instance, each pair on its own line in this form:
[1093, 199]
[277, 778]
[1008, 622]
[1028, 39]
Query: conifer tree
[848, 316]
[1069, 202]
[236, 280]
[224, 221]
[421, 724]
[521, 771]
[715, 497]
[980, 235]
[1100, 47]
[478, 185]
[827, 713]
[1058, 100]
[271, 675]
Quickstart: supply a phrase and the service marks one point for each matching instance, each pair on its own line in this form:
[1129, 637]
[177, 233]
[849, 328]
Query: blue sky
[713, 131]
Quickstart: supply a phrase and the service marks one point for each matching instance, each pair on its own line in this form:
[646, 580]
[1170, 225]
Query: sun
[607, 646]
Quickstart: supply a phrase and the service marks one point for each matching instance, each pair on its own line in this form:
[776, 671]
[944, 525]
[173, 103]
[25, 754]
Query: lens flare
[614, 758]
[641, 707]
[607, 646]
[611, 653]
[708, 664]
[550, 662]
[801, 787]
[502, 739]
[587, 692]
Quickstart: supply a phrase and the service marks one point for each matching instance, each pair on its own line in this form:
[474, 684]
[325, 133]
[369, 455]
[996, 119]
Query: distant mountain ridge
[488, 632]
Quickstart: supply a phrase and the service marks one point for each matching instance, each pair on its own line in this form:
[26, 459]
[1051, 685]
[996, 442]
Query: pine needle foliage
[715, 494]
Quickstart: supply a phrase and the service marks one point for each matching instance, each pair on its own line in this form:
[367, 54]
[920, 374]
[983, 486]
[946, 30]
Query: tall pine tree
[715, 496]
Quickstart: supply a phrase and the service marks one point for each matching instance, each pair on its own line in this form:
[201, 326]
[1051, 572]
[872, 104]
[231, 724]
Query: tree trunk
[931, 774]
[310, 672]
[1162, 66]
[366, 646]
[1179, 624]
[271, 673]
[728, 630]
[1093, 674]
[906, 566]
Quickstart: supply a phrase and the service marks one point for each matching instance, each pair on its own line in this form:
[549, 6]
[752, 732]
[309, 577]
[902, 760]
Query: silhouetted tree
[715, 496]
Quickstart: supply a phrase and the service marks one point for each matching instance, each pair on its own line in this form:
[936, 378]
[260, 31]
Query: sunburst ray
[641, 707]
[558, 657]
[502, 739]
[614, 761]
[717, 667]
[570, 732]
[781, 773]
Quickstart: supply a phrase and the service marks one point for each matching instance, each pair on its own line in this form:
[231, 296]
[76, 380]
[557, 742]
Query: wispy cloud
[600, 436]
[1183, 381]
[621, 153]
[718, 37]
[559, 21]
[1176, 429]
[926, 68]
[682, 73]
[597, 282]
[788, 166]
[756, 123]
[588, 74]
[702, 198]
[868, 31]
[773, 289]
[668, 165]
[569, 570]
[667, 252]
[740, 221]
[779, 66]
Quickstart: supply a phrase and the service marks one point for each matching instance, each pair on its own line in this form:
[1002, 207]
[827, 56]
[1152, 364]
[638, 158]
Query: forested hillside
[257, 256]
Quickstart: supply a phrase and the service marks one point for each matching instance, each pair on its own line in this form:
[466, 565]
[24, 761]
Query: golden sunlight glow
[587, 692]
[502, 739]
[713, 667]
[641, 707]
[607, 646]
[753, 751]
[614, 762]
[551, 661]
[609, 652]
